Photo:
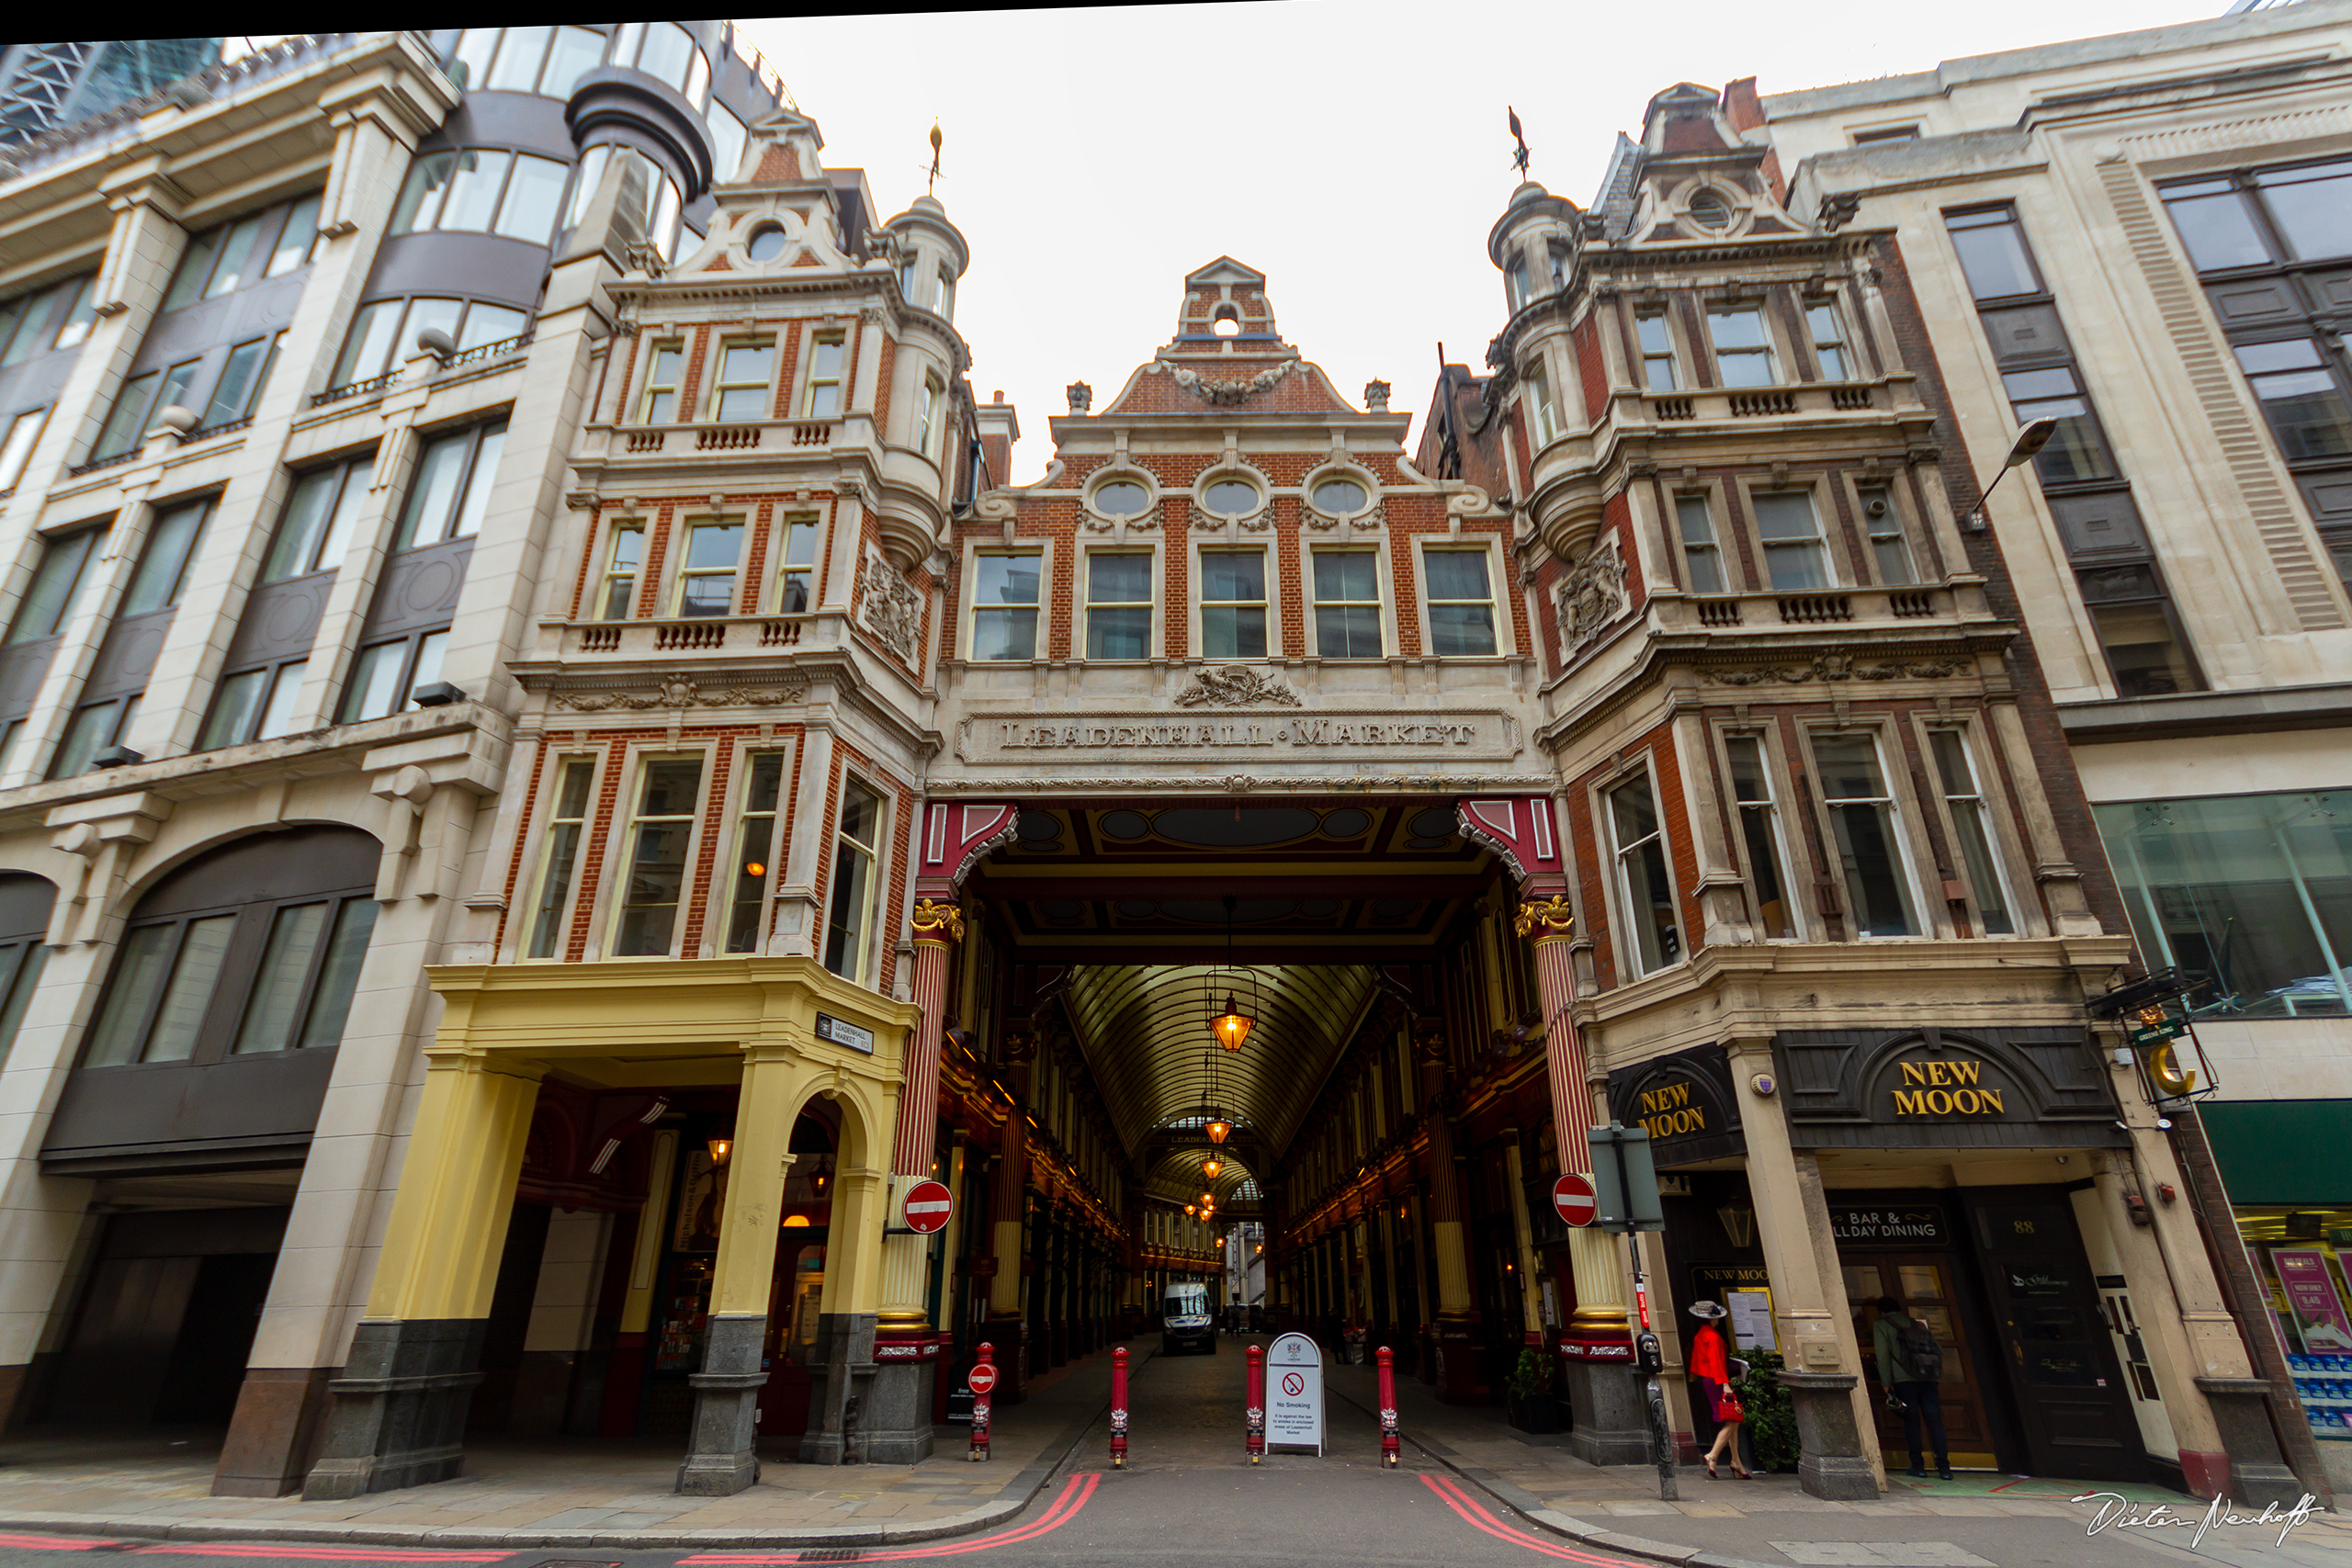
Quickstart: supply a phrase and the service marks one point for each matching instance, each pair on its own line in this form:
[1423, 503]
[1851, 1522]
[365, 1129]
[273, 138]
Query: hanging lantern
[1211, 1166]
[1232, 1026]
[1208, 1200]
[1219, 1129]
[719, 1149]
[1188, 1210]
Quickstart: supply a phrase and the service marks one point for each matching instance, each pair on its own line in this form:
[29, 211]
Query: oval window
[1339, 497]
[1708, 211]
[767, 243]
[1121, 498]
[1231, 497]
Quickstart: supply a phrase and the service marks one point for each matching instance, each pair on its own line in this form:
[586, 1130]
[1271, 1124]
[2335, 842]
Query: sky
[1354, 151]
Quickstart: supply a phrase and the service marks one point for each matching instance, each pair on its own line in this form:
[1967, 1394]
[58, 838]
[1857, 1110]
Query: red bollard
[980, 1379]
[1255, 1442]
[1389, 1447]
[1119, 1408]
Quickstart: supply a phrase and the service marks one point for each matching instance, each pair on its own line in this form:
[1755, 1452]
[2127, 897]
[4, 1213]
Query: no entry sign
[927, 1207]
[1572, 1196]
[980, 1379]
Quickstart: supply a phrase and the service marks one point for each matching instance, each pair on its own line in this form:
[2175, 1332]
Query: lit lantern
[719, 1149]
[1219, 1129]
[1211, 1166]
[1232, 1026]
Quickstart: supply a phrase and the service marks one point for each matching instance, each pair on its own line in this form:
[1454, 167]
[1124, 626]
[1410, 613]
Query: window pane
[1456, 574]
[26, 981]
[1231, 497]
[1118, 634]
[1347, 631]
[128, 421]
[196, 267]
[667, 53]
[1124, 579]
[1462, 630]
[1348, 574]
[1752, 787]
[1877, 891]
[181, 1015]
[563, 850]
[532, 198]
[1004, 633]
[375, 682]
[430, 489]
[169, 543]
[115, 1040]
[1007, 580]
[577, 50]
[518, 60]
[1230, 631]
[229, 394]
[370, 343]
[1849, 765]
[2147, 658]
[339, 977]
[1793, 556]
[1960, 796]
[1699, 543]
[2315, 215]
[425, 177]
[473, 189]
[2217, 231]
[236, 256]
[476, 47]
[52, 591]
[584, 188]
[657, 859]
[728, 137]
[1993, 258]
[1736, 329]
[477, 484]
[1233, 574]
[277, 716]
[277, 990]
[429, 649]
[17, 449]
[293, 246]
[233, 710]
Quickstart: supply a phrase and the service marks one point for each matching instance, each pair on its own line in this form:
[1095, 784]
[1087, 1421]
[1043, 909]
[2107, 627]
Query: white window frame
[788, 569]
[974, 610]
[1085, 603]
[1769, 350]
[1622, 892]
[1496, 604]
[1537, 382]
[1767, 739]
[1834, 582]
[1383, 615]
[684, 551]
[1992, 804]
[1924, 914]
[721, 912]
[929, 401]
[1841, 342]
[620, 844]
[1647, 358]
[811, 382]
[1727, 581]
[653, 389]
[1202, 603]
[765, 386]
[636, 573]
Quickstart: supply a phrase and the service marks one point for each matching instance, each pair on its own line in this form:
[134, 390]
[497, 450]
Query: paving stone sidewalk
[156, 1483]
[1978, 1519]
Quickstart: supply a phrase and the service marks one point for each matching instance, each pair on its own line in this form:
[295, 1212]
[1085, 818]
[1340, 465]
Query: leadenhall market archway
[1370, 1117]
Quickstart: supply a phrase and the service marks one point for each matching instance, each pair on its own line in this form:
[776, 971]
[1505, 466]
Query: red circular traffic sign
[980, 1379]
[1572, 1196]
[927, 1207]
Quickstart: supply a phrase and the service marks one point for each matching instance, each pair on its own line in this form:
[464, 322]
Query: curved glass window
[1121, 498]
[1231, 497]
[664, 50]
[483, 189]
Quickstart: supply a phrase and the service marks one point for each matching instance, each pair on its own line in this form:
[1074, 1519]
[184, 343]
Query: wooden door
[791, 1334]
[1925, 1282]
[2070, 1391]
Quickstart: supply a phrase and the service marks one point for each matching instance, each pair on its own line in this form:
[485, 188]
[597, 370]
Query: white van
[1184, 1319]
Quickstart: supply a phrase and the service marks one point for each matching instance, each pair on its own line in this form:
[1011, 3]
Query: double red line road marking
[1066, 1504]
[280, 1552]
[1474, 1514]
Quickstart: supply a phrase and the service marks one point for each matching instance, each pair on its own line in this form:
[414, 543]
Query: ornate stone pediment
[1236, 688]
[1229, 391]
[1839, 667]
[686, 691]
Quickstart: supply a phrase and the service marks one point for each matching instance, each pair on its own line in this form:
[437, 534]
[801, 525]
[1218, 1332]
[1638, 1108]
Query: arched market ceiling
[1176, 1177]
[1145, 1031]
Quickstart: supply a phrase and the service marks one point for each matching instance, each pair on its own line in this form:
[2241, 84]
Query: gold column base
[1604, 1317]
[890, 1319]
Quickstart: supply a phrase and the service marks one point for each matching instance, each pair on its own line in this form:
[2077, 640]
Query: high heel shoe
[1711, 1469]
[1742, 1474]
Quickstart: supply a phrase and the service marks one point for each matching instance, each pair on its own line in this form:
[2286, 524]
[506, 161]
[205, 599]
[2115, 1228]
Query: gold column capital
[1546, 919]
[936, 922]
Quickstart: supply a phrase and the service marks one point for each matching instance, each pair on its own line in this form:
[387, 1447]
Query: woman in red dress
[1710, 1370]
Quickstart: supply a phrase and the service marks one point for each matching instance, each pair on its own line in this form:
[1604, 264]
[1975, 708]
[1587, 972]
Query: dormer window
[767, 244]
[1709, 210]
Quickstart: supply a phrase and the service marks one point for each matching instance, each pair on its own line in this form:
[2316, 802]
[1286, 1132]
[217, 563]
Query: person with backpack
[1911, 1368]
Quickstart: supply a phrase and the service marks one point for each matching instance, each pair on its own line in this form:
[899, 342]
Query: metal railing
[370, 387]
[95, 464]
[498, 350]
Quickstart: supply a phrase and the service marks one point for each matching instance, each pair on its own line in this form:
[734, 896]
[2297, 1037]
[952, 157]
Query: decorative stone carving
[686, 691]
[1838, 208]
[1230, 391]
[1374, 516]
[1257, 522]
[1081, 397]
[1546, 919]
[1592, 594]
[890, 608]
[1838, 667]
[935, 921]
[1228, 687]
[1375, 397]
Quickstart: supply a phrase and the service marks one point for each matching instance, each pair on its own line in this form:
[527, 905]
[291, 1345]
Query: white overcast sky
[1354, 151]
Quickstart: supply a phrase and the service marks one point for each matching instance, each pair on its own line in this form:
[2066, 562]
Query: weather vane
[1518, 158]
[936, 140]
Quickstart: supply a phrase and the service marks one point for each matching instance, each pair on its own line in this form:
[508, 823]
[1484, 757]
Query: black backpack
[1920, 1351]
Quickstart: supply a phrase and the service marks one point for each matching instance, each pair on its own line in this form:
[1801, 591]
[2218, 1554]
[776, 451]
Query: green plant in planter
[1533, 1375]
[1772, 1415]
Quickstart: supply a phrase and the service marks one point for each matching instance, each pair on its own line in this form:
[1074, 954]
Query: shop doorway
[1925, 1283]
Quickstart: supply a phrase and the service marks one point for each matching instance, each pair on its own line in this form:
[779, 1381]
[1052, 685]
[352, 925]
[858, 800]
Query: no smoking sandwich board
[1294, 1395]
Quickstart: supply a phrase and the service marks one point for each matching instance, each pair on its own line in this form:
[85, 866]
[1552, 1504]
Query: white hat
[1708, 1309]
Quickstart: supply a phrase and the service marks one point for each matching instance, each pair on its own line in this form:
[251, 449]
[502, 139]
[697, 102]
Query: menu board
[2311, 1297]
[1751, 1319]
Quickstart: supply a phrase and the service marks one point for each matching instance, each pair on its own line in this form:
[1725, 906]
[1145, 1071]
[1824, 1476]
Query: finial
[1518, 159]
[936, 140]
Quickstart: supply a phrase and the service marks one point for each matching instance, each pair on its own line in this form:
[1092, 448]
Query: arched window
[251, 949]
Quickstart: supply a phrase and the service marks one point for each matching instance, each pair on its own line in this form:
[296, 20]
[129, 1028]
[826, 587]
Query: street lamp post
[2030, 442]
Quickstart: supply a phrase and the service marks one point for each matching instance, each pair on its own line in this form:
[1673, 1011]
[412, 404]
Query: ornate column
[936, 928]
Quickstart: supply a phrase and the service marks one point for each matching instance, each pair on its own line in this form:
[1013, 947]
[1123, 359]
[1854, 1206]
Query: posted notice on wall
[1751, 1319]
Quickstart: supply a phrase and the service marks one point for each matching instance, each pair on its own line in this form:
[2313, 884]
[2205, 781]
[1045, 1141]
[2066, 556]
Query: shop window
[1658, 374]
[1004, 603]
[1702, 561]
[1644, 882]
[739, 390]
[624, 558]
[849, 919]
[797, 582]
[2252, 893]
[1797, 559]
[1743, 347]
[1760, 836]
[1347, 604]
[16, 447]
[1971, 827]
[1233, 603]
[1461, 603]
[755, 851]
[714, 549]
[198, 981]
[1867, 830]
[245, 251]
[59, 316]
[560, 858]
[659, 830]
[1118, 604]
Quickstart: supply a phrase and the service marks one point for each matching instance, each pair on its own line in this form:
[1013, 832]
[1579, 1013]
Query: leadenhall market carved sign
[1944, 1088]
[1322, 735]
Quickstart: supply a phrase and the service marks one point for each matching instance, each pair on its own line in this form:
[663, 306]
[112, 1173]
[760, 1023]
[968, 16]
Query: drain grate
[833, 1554]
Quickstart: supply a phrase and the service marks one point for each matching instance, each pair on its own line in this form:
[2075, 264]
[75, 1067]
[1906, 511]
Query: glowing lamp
[796, 1222]
[719, 1149]
[1232, 1026]
[1219, 1129]
[1211, 1166]
[754, 868]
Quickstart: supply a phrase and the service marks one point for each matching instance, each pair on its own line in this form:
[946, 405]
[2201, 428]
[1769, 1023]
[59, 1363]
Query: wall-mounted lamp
[719, 1149]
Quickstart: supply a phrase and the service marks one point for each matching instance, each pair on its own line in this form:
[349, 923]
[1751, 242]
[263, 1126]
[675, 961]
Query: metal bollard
[1389, 1446]
[1119, 1408]
[980, 1379]
[1254, 1441]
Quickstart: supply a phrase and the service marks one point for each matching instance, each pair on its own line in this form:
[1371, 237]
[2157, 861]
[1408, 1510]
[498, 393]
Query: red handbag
[1728, 1407]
